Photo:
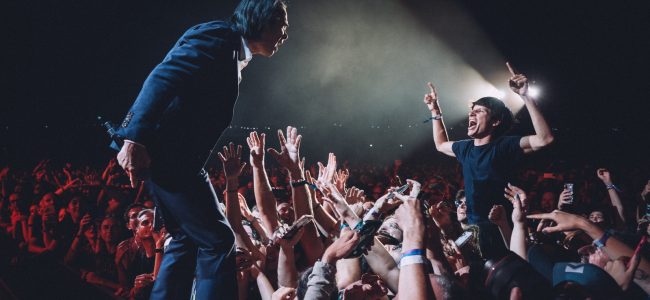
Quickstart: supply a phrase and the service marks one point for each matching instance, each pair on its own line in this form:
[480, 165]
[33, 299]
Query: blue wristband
[343, 225]
[602, 240]
[413, 252]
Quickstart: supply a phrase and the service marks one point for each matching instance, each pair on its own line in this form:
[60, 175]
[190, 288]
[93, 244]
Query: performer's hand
[431, 99]
[231, 160]
[256, 145]
[135, 161]
[518, 82]
[289, 155]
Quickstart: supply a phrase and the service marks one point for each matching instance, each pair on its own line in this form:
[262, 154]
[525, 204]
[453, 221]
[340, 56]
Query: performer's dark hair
[498, 111]
[251, 16]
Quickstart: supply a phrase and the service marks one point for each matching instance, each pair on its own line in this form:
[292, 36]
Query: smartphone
[302, 222]
[463, 238]
[399, 190]
[158, 221]
[367, 233]
[569, 187]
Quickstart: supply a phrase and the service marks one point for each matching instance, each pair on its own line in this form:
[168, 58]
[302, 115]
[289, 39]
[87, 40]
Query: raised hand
[353, 195]
[84, 223]
[431, 99]
[511, 191]
[160, 237]
[566, 198]
[441, 215]
[410, 218]
[518, 212]
[385, 203]
[498, 215]
[243, 259]
[256, 145]
[340, 178]
[326, 173]
[231, 160]
[415, 188]
[284, 293]
[603, 174]
[244, 209]
[518, 82]
[289, 155]
[288, 245]
[342, 247]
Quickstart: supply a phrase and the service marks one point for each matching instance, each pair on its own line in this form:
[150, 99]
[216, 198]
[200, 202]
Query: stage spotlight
[534, 91]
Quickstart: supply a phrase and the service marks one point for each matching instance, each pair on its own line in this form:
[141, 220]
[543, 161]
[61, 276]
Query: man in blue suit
[168, 136]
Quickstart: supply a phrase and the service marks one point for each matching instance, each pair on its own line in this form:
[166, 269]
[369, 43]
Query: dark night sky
[66, 62]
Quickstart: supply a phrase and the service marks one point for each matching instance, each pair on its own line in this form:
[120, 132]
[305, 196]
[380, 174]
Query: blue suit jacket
[187, 101]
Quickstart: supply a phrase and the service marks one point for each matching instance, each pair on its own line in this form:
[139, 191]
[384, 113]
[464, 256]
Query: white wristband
[411, 260]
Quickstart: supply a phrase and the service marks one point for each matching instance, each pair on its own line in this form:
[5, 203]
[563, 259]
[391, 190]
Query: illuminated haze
[363, 65]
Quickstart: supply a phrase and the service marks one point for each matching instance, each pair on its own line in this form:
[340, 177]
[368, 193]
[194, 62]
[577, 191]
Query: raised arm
[289, 158]
[232, 168]
[517, 197]
[614, 248]
[287, 272]
[323, 219]
[439, 132]
[543, 136]
[498, 217]
[412, 284]
[604, 176]
[264, 198]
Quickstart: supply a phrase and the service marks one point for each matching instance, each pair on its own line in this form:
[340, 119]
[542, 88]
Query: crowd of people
[574, 242]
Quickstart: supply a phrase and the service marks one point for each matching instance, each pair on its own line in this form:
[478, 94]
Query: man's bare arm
[264, 198]
[543, 136]
[439, 132]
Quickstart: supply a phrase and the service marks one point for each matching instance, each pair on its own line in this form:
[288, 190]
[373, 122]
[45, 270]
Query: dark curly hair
[498, 112]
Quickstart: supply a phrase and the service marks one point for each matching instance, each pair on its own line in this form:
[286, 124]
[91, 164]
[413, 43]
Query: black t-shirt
[486, 171]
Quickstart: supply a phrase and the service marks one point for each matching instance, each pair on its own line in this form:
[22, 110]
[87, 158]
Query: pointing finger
[510, 69]
[431, 88]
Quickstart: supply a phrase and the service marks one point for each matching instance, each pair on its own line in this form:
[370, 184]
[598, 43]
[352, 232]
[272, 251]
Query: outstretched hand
[342, 247]
[564, 221]
[231, 160]
[256, 145]
[326, 173]
[512, 191]
[289, 154]
[518, 82]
